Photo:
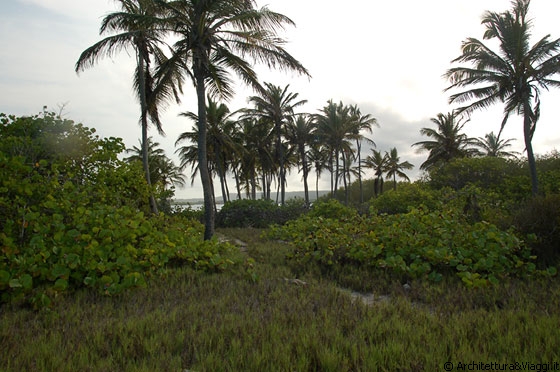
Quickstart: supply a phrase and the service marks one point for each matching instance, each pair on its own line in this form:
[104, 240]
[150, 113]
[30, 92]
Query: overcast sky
[388, 57]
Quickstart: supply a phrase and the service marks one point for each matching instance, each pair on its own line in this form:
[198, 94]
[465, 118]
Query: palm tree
[164, 174]
[491, 145]
[394, 167]
[138, 25]
[319, 157]
[220, 144]
[361, 123]
[334, 127]
[448, 141]
[513, 75]
[378, 163]
[215, 37]
[276, 105]
[300, 133]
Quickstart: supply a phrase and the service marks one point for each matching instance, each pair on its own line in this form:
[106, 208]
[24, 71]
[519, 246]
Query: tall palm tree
[276, 105]
[491, 145]
[361, 123]
[300, 133]
[215, 37]
[138, 25]
[513, 75]
[448, 141]
[378, 163]
[394, 167]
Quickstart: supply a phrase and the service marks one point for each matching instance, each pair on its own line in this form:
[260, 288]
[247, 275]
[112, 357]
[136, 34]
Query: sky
[388, 57]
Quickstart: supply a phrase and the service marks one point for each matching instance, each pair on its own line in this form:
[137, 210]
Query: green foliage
[332, 208]
[485, 172]
[246, 213]
[539, 218]
[188, 212]
[72, 215]
[418, 244]
[258, 213]
[405, 197]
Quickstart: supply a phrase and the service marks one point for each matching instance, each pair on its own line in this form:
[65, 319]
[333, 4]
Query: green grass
[252, 319]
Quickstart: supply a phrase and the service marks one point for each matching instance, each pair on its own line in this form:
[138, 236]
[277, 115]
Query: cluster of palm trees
[448, 142]
[389, 164]
[258, 146]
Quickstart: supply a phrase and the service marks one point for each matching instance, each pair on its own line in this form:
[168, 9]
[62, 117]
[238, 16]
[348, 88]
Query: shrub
[332, 208]
[407, 196]
[72, 215]
[540, 217]
[258, 213]
[485, 172]
[246, 213]
[417, 244]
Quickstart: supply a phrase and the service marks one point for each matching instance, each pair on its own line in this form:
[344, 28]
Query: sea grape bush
[417, 244]
[106, 248]
[73, 215]
[259, 213]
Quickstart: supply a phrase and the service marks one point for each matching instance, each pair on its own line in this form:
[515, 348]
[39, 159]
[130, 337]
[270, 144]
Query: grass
[252, 319]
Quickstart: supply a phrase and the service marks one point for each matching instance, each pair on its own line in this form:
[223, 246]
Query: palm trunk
[359, 147]
[221, 173]
[280, 152]
[237, 183]
[331, 170]
[304, 166]
[529, 146]
[202, 152]
[344, 178]
[144, 123]
[317, 187]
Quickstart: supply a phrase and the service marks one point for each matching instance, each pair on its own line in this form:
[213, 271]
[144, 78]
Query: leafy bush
[332, 208]
[72, 215]
[407, 196]
[246, 213]
[540, 217]
[485, 172]
[417, 244]
[258, 213]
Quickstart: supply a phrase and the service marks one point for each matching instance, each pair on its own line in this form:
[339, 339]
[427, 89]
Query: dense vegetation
[463, 248]
[197, 321]
[460, 266]
[73, 214]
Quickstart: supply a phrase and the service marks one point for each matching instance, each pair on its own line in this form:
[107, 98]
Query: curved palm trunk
[144, 123]
[528, 145]
[202, 152]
